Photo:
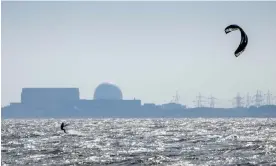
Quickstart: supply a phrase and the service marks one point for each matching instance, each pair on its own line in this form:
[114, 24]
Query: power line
[248, 100]
[199, 101]
[258, 98]
[269, 98]
[176, 98]
[212, 101]
[238, 101]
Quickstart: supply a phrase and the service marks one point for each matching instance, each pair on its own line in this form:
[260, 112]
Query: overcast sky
[149, 49]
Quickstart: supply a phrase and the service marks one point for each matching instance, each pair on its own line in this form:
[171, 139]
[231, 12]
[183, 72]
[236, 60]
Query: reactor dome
[108, 91]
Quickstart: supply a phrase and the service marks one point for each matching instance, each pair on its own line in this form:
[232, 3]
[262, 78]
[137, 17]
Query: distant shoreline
[70, 113]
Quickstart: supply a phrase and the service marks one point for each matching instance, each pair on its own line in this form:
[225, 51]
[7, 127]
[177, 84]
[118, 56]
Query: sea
[120, 142]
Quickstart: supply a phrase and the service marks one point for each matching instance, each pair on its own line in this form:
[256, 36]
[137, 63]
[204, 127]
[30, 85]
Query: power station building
[108, 100]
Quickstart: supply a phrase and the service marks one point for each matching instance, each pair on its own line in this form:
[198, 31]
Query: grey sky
[149, 49]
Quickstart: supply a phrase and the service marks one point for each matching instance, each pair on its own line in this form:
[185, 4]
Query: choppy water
[139, 142]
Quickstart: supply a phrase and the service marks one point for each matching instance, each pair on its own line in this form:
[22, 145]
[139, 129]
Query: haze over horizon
[149, 49]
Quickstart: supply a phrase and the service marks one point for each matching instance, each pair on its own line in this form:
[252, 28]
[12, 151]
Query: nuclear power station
[108, 102]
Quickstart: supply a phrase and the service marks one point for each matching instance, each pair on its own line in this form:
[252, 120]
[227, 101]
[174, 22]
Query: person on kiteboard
[62, 127]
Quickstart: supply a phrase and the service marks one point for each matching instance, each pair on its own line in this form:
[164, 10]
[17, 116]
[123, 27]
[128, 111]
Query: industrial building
[108, 102]
[66, 102]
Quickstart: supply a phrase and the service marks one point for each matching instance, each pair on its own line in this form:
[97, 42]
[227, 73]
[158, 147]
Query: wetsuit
[62, 127]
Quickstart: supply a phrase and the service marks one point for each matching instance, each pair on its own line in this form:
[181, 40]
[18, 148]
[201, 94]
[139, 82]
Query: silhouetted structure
[238, 101]
[212, 101]
[248, 100]
[269, 97]
[198, 101]
[258, 98]
[46, 96]
[108, 102]
[108, 91]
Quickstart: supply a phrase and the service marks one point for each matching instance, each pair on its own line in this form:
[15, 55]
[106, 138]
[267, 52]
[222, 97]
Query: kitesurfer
[62, 127]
